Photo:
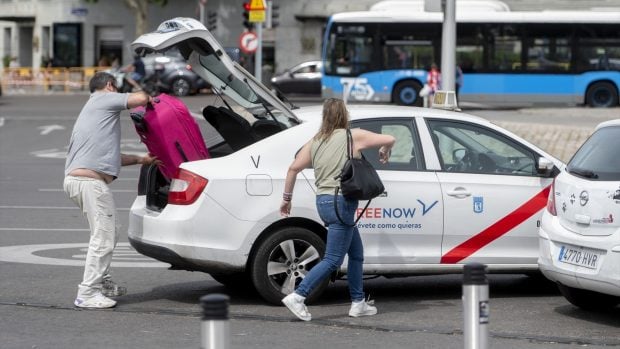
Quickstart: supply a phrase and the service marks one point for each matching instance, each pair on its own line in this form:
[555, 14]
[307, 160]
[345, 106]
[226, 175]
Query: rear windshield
[598, 158]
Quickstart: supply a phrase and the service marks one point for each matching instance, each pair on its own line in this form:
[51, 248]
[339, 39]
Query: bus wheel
[602, 95]
[407, 93]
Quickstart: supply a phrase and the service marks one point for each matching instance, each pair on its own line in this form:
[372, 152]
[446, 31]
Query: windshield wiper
[283, 98]
[267, 110]
[582, 173]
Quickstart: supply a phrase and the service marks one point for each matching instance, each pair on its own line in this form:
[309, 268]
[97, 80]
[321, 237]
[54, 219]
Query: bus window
[548, 54]
[470, 48]
[504, 47]
[598, 48]
[407, 54]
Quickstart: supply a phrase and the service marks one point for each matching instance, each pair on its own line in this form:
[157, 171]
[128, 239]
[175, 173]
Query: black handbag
[358, 180]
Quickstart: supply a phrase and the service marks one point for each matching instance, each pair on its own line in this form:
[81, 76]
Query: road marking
[1, 122]
[42, 229]
[51, 208]
[30, 254]
[128, 146]
[49, 128]
[113, 190]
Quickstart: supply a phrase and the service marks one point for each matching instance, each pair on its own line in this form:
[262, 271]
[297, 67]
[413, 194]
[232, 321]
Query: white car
[459, 189]
[580, 231]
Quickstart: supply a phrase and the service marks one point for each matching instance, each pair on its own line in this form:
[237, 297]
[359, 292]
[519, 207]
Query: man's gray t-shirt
[96, 138]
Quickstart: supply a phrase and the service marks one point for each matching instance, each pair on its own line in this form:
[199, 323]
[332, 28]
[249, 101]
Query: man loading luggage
[93, 162]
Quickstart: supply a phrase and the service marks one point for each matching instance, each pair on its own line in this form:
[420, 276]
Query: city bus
[506, 57]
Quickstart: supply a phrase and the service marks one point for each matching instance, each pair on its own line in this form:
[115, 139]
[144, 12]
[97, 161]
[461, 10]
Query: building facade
[78, 33]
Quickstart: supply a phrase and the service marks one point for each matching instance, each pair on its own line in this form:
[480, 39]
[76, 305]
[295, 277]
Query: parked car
[459, 189]
[171, 73]
[302, 79]
[580, 231]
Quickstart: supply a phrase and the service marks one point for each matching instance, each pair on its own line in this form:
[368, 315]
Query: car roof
[615, 122]
[369, 111]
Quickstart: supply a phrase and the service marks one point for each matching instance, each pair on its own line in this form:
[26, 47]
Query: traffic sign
[257, 5]
[257, 16]
[248, 42]
[256, 11]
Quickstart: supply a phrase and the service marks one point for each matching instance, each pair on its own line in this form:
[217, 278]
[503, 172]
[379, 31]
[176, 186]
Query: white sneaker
[98, 301]
[363, 308]
[295, 303]
[111, 289]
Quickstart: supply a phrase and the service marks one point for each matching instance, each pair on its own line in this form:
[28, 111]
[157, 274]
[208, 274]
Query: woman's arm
[363, 139]
[302, 161]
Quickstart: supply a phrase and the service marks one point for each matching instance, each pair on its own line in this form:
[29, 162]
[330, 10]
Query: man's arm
[137, 99]
[127, 160]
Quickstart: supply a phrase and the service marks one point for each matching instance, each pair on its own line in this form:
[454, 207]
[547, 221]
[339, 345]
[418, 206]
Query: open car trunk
[248, 114]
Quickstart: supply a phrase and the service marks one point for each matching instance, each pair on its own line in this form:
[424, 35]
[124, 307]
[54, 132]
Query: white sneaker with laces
[295, 303]
[98, 301]
[111, 289]
[363, 308]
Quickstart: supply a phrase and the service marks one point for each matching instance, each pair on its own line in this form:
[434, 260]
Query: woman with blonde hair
[326, 152]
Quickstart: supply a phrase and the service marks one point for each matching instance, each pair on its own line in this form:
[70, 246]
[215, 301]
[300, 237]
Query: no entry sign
[248, 42]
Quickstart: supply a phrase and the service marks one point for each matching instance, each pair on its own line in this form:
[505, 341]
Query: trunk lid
[209, 60]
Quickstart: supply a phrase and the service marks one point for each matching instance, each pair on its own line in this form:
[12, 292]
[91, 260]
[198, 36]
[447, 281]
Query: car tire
[588, 300]
[276, 269]
[180, 87]
[234, 281]
[407, 93]
[602, 95]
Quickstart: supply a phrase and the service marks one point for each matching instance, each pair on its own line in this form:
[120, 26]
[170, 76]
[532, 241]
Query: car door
[403, 226]
[492, 194]
[304, 79]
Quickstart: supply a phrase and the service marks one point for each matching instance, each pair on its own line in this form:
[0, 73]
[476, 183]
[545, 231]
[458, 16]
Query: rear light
[185, 188]
[189, 67]
[551, 200]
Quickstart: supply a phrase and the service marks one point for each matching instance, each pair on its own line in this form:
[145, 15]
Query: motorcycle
[153, 83]
[121, 82]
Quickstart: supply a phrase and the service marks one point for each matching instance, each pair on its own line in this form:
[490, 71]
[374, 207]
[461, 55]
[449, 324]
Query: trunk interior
[230, 129]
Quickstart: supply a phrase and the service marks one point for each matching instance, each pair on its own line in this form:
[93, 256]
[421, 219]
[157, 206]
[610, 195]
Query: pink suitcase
[170, 133]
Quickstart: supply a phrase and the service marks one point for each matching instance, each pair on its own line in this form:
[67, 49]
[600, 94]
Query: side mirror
[459, 154]
[544, 166]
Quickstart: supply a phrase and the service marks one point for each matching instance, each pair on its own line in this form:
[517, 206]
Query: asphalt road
[43, 238]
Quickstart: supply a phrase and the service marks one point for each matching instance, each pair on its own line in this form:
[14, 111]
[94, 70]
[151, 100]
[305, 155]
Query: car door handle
[459, 192]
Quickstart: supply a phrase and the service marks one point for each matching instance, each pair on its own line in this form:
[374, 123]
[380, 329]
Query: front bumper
[604, 279]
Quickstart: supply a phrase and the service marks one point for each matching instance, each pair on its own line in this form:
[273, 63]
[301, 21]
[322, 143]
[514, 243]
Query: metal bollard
[215, 328]
[475, 306]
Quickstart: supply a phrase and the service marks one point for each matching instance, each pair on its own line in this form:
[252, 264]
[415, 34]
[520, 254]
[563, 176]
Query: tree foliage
[141, 11]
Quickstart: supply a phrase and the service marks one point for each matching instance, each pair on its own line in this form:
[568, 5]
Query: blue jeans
[341, 240]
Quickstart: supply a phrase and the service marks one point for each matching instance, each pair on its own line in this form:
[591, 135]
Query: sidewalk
[558, 140]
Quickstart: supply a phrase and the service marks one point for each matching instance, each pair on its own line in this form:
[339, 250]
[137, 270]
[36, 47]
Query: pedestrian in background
[93, 162]
[326, 152]
[458, 82]
[433, 80]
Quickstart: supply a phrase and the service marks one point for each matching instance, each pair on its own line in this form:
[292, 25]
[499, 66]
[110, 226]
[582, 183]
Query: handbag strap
[338, 214]
[349, 144]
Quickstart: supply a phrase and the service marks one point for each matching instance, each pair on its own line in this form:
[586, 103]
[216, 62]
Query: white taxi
[580, 232]
[458, 188]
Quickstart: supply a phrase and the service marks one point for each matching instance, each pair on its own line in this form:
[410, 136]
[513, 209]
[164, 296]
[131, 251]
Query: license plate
[582, 257]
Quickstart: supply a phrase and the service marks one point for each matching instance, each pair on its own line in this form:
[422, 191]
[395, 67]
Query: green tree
[141, 11]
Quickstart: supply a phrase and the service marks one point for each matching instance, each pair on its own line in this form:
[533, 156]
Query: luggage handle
[149, 105]
[180, 149]
[138, 120]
